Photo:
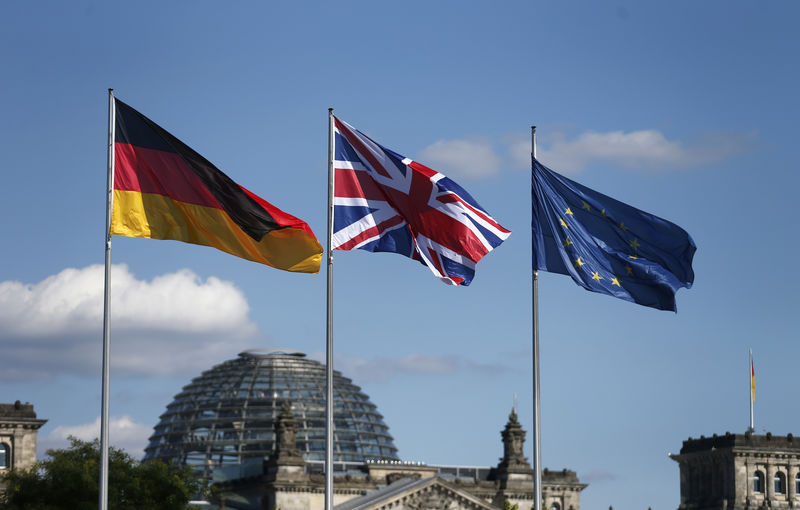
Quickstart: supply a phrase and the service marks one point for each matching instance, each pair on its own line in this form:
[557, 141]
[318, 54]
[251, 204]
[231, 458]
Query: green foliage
[509, 506]
[70, 480]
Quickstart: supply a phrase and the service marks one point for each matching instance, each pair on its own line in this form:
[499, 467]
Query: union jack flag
[386, 202]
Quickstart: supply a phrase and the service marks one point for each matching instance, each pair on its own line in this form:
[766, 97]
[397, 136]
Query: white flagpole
[537, 437]
[329, 330]
[103, 503]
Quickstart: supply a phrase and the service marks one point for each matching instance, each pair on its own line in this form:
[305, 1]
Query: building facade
[18, 430]
[739, 472]
[288, 482]
[254, 426]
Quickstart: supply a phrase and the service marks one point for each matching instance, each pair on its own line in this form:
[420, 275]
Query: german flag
[165, 190]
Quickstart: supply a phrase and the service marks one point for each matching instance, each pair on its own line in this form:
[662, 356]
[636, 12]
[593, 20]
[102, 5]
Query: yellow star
[567, 242]
[563, 223]
[635, 244]
[622, 226]
[596, 276]
[579, 263]
[614, 281]
[629, 269]
[603, 212]
[586, 206]
[633, 257]
[568, 211]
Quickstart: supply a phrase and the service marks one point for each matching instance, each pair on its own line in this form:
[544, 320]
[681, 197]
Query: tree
[69, 480]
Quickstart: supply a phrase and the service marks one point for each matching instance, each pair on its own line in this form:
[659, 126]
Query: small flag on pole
[752, 378]
[607, 246]
[384, 202]
[165, 190]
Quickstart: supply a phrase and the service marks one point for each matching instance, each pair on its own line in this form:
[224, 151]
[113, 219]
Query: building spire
[513, 440]
[513, 473]
[286, 459]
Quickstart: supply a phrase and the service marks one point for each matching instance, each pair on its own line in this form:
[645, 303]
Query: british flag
[386, 202]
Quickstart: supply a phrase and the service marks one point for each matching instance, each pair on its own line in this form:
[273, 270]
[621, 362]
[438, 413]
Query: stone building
[18, 429]
[255, 427]
[739, 472]
[288, 482]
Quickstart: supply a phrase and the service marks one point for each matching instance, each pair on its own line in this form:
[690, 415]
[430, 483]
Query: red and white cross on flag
[386, 202]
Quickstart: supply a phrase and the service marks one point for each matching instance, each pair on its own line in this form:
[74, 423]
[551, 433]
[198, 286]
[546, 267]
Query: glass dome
[226, 415]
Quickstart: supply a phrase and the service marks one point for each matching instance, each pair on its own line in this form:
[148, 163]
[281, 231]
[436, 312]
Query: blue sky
[684, 109]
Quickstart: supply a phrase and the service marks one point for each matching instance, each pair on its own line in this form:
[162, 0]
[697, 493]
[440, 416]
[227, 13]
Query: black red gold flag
[165, 190]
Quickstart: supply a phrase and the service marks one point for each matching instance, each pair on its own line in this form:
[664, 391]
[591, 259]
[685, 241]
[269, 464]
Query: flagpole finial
[330, 110]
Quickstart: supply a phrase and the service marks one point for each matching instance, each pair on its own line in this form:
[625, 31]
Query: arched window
[780, 483]
[758, 482]
[797, 484]
[4, 457]
[555, 506]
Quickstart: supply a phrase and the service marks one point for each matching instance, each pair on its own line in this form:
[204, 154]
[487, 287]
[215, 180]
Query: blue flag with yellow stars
[607, 246]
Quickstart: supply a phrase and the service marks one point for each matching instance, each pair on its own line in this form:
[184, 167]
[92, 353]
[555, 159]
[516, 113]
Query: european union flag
[607, 246]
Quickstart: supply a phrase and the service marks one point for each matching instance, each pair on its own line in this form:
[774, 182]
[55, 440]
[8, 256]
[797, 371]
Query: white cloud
[123, 433]
[474, 157]
[425, 364]
[173, 323]
[645, 150]
[641, 150]
[382, 369]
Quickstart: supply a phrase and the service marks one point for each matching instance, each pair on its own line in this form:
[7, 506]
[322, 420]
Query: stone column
[770, 481]
[684, 483]
[725, 471]
[748, 480]
[716, 489]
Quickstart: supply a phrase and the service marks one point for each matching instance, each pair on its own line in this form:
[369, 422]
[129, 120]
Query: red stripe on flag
[284, 219]
[449, 198]
[356, 184]
[424, 170]
[452, 197]
[161, 173]
[431, 222]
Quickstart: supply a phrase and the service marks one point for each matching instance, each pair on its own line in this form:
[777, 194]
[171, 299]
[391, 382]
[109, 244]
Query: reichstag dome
[226, 416]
